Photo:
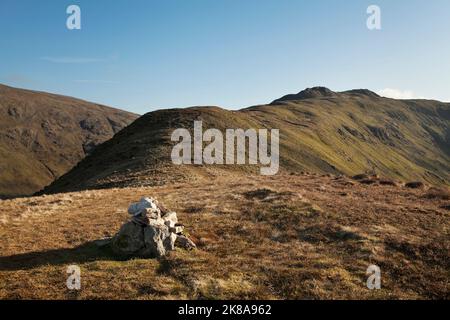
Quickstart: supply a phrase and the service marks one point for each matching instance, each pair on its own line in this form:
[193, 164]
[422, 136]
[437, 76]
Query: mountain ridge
[349, 133]
[324, 92]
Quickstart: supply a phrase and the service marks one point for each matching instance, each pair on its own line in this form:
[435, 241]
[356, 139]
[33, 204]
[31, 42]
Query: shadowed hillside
[42, 136]
[320, 131]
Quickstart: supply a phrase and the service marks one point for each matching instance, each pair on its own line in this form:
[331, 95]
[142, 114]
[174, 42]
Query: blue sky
[143, 55]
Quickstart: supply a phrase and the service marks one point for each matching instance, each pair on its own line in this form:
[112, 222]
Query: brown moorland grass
[284, 237]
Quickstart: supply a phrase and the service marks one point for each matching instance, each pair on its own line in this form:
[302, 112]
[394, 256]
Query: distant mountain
[43, 135]
[320, 131]
[322, 92]
[310, 93]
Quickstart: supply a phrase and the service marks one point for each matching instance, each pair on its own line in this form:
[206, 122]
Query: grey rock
[150, 241]
[169, 242]
[154, 238]
[129, 240]
[148, 234]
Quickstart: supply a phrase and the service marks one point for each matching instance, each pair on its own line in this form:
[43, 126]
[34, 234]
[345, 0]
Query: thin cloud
[18, 79]
[71, 60]
[399, 94]
[97, 81]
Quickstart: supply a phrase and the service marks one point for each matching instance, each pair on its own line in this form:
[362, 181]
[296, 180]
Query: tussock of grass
[438, 193]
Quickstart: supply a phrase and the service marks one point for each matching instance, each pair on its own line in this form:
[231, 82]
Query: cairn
[151, 232]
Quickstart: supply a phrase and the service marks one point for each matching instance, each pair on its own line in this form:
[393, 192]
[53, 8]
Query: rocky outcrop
[309, 93]
[152, 232]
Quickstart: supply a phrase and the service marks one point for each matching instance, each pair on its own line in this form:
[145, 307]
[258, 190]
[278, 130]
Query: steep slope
[43, 135]
[348, 132]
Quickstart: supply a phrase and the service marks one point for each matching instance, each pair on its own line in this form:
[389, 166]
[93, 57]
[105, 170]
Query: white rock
[145, 203]
[159, 222]
[152, 213]
[176, 229]
[170, 219]
[169, 242]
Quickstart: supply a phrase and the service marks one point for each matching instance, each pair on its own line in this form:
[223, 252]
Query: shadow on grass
[88, 252]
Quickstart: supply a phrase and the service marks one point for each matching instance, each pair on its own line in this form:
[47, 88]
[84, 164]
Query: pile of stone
[151, 232]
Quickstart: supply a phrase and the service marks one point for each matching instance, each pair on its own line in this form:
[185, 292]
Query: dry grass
[285, 237]
[438, 193]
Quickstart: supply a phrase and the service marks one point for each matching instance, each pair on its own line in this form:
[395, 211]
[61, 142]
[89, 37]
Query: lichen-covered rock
[154, 238]
[152, 241]
[129, 240]
[170, 219]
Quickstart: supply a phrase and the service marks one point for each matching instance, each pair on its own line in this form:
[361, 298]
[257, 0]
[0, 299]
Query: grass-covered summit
[320, 131]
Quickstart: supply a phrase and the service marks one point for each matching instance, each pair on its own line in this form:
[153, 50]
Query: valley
[44, 135]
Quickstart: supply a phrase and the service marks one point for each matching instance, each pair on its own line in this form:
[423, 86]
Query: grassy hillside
[42, 136]
[349, 133]
[282, 237]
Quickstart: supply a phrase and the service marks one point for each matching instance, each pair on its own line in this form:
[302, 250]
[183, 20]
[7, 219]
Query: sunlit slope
[349, 133]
